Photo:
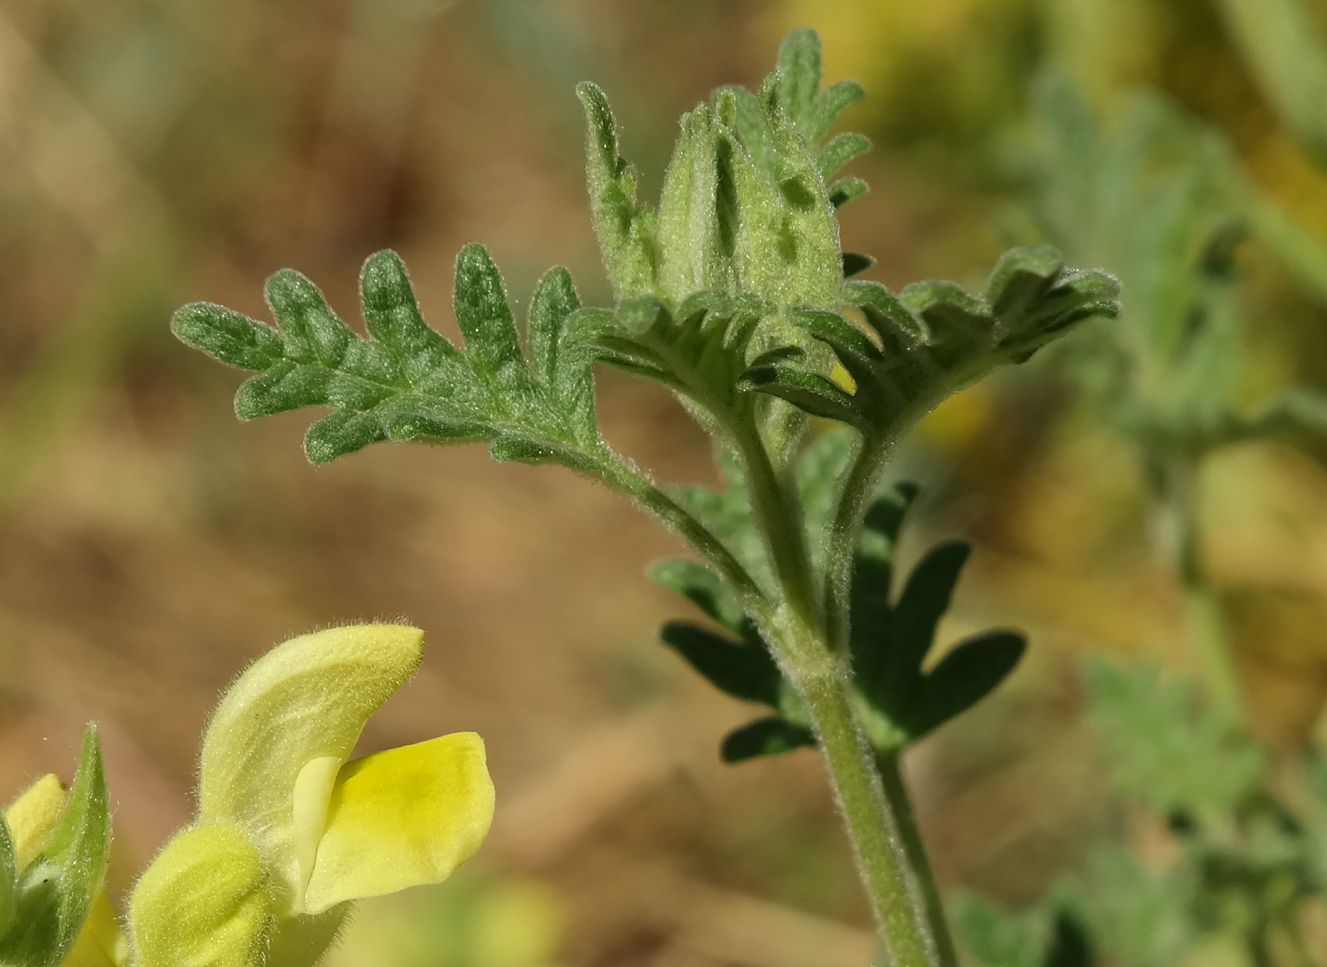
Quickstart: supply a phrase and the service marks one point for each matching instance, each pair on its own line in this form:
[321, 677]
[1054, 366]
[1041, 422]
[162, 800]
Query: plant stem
[625, 479]
[841, 542]
[896, 793]
[779, 516]
[876, 823]
[876, 814]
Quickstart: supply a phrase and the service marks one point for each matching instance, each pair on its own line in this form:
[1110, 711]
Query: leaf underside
[901, 696]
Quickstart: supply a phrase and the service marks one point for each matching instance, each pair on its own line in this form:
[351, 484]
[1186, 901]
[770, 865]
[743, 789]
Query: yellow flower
[290, 829]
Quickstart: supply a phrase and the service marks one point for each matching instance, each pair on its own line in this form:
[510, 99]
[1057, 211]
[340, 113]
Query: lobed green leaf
[405, 381]
[767, 736]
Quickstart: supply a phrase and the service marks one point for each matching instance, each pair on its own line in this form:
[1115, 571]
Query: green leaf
[768, 736]
[925, 599]
[703, 588]
[854, 263]
[815, 394]
[799, 73]
[935, 338]
[903, 700]
[56, 891]
[1284, 46]
[699, 350]
[839, 150]
[847, 189]
[405, 381]
[742, 669]
[1163, 739]
[624, 227]
[726, 513]
[966, 675]
[491, 345]
[229, 336]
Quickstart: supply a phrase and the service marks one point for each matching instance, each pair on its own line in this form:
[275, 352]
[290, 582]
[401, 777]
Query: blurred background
[155, 153]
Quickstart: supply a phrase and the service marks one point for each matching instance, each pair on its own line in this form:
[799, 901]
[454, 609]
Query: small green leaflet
[53, 895]
[405, 381]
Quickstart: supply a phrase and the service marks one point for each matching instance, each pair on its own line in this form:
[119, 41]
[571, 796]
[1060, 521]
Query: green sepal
[405, 381]
[839, 150]
[8, 877]
[55, 892]
[206, 899]
[799, 73]
[767, 736]
[692, 256]
[744, 206]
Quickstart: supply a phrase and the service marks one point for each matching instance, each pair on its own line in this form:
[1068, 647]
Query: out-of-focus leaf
[1163, 742]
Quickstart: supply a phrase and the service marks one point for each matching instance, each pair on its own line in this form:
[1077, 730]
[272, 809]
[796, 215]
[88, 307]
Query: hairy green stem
[841, 543]
[876, 814]
[874, 821]
[896, 793]
[625, 479]
[779, 515]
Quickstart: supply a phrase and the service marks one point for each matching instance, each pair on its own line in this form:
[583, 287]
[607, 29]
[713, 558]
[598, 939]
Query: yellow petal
[100, 944]
[401, 818]
[32, 816]
[305, 699]
[203, 902]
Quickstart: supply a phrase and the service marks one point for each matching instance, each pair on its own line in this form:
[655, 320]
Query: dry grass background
[159, 152]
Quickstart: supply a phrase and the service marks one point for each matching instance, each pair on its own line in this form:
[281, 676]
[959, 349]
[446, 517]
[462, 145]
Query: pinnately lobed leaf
[404, 380]
[893, 633]
[933, 339]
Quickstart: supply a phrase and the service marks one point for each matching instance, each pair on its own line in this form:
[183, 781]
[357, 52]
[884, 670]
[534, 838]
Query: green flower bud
[204, 902]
